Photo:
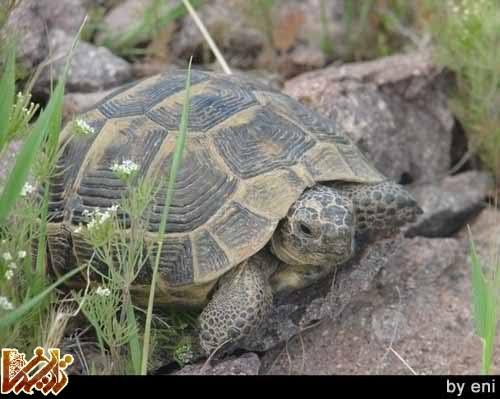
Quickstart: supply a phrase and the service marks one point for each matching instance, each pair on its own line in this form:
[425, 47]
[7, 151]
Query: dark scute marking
[219, 102]
[119, 90]
[211, 257]
[141, 100]
[266, 142]
[76, 150]
[323, 128]
[239, 226]
[135, 141]
[201, 190]
[60, 251]
[355, 159]
[176, 261]
[56, 194]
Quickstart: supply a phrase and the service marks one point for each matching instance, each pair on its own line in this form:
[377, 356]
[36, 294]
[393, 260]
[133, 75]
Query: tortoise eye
[305, 229]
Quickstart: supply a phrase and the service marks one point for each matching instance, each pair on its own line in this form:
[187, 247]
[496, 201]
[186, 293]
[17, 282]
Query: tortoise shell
[250, 153]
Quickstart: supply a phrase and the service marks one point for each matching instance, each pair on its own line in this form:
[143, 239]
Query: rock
[92, 68]
[247, 364]
[301, 59]
[416, 318]
[66, 15]
[299, 310]
[384, 105]
[32, 22]
[26, 26]
[448, 204]
[240, 42]
[121, 19]
[77, 103]
[8, 160]
[284, 37]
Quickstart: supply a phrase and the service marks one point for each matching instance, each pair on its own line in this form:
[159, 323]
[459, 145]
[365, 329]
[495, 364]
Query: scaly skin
[318, 234]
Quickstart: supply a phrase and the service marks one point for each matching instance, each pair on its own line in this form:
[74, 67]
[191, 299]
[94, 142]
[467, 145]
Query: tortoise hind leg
[241, 302]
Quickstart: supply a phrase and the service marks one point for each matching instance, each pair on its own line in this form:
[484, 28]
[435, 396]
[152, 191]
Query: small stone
[92, 68]
[448, 204]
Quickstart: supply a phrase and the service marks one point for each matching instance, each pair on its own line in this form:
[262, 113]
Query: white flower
[21, 254]
[82, 127]
[78, 229]
[7, 256]
[101, 291]
[9, 274]
[12, 265]
[5, 303]
[97, 217]
[126, 168]
[27, 190]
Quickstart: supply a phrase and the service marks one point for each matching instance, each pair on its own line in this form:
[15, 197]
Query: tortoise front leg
[238, 307]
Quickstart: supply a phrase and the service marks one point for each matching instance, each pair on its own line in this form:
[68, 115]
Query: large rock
[449, 203]
[394, 108]
[247, 364]
[416, 318]
[295, 312]
[77, 103]
[92, 68]
[27, 28]
[32, 22]
[66, 15]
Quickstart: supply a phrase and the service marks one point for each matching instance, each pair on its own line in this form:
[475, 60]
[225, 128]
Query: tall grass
[24, 291]
[467, 41]
[176, 163]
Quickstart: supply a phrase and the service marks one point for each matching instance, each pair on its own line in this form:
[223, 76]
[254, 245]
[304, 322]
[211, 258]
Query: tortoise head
[319, 229]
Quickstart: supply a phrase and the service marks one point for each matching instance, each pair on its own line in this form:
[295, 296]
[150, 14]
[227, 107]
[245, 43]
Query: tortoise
[271, 196]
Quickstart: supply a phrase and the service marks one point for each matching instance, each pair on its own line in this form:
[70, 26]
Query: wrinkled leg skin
[241, 303]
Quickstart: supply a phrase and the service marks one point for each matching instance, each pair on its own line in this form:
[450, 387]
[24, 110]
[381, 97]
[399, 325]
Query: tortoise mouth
[324, 260]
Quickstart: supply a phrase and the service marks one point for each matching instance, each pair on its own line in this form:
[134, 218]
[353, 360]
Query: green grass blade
[485, 308]
[176, 164]
[16, 315]
[479, 290]
[134, 342]
[24, 161]
[7, 91]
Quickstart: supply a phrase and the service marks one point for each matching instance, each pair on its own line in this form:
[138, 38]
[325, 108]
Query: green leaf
[7, 90]
[135, 346]
[176, 164]
[485, 307]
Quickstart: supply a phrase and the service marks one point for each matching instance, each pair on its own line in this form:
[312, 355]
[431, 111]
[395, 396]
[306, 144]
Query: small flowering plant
[82, 128]
[11, 267]
[125, 170]
[100, 225]
[22, 112]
